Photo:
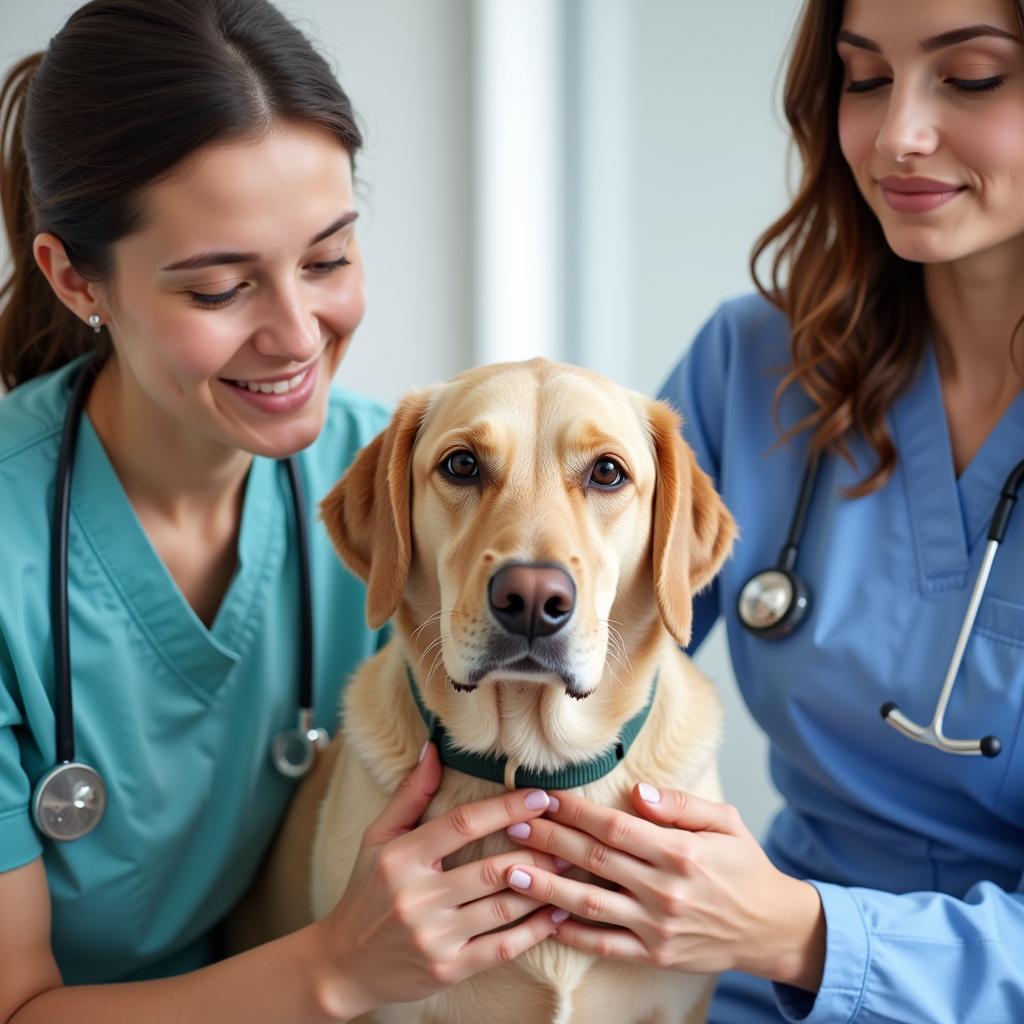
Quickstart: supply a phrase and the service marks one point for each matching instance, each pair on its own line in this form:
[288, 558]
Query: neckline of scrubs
[200, 657]
[950, 515]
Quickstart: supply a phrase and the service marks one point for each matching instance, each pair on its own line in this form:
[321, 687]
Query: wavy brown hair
[857, 311]
[125, 91]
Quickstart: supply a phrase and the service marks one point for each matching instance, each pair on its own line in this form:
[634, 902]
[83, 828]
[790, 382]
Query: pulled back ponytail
[37, 332]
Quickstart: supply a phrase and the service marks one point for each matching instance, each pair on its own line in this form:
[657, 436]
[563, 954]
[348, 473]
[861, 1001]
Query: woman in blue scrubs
[888, 338]
[177, 185]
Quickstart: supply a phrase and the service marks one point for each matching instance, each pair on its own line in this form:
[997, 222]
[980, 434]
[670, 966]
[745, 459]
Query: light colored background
[577, 178]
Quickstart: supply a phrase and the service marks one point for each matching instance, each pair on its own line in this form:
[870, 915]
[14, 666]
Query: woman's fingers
[581, 849]
[485, 877]
[441, 837]
[584, 900]
[686, 811]
[500, 947]
[618, 830]
[498, 911]
[603, 942]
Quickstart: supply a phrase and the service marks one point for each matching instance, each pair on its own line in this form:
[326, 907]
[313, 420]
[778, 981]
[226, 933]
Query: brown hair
[124, 92]
[857, 312]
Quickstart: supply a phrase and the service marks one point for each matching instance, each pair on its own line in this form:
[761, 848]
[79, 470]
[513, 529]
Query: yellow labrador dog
[536, 534]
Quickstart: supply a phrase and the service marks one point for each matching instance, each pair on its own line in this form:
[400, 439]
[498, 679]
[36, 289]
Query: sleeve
[917, 957]
[696, 389]
[19, 842]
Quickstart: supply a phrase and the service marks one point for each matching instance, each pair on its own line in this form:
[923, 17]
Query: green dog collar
[487, 766]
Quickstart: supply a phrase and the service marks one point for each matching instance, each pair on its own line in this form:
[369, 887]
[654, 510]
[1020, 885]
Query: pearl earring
[95, 322]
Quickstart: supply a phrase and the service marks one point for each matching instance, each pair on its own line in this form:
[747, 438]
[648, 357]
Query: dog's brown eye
[607, 473]
[462, 466]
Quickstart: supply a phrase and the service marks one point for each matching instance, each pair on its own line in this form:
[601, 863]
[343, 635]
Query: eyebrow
[933, 43]
[217, 259]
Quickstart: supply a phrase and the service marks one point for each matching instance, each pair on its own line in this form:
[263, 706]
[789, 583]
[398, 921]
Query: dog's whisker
[437, 662]
[423, 625]
[434, 643]
[616, 656]
[618, 648]
[615, 676]
[616, 638]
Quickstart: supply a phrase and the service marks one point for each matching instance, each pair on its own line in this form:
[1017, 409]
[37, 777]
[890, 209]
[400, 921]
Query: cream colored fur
[427, 548]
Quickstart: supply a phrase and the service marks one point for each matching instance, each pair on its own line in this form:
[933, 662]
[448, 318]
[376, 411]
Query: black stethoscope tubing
[70, 799]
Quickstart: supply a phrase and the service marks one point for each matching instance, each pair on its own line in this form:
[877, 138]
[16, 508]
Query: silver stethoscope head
[69, 801]
[294, 750]
[773, 602]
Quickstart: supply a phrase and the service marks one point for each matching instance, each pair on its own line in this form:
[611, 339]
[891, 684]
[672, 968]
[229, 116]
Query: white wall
[671, 160]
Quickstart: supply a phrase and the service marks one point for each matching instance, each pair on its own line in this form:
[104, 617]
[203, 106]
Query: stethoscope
[71, 798]
[775, 601]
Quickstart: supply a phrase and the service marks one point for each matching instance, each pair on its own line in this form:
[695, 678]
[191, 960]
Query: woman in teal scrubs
[177, 186]
[890, 887]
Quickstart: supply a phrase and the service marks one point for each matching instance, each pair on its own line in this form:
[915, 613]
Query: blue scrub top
[178, 718]
[918, 855]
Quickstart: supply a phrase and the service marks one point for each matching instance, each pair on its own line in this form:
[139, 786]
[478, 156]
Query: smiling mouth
[270, 387]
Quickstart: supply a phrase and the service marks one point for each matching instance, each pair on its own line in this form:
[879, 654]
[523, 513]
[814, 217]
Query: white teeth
[277, 387]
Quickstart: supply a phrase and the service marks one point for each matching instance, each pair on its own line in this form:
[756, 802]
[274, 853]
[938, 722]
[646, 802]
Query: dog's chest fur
[551, 983]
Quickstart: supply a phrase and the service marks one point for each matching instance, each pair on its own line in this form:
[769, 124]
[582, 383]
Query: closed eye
[215, 301]
[207, 301]
[325, 267]
[867, 84]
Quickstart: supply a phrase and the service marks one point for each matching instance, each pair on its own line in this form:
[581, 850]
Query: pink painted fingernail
[649, 793]
[561, 864]
[554, 804]
[559, 915]
[520, 879]
[520, 831]
[537, 799]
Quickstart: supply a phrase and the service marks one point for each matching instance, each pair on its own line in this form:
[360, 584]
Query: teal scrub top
[177, 717]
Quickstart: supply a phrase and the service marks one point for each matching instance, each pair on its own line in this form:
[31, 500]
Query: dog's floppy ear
[693, 530]
[367, 513]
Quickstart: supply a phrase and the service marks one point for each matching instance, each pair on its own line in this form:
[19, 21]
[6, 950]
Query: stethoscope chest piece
[294, 750]
[773, 602]
[69, 801]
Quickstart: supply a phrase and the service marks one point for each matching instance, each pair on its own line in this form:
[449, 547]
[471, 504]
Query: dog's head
[533, 525]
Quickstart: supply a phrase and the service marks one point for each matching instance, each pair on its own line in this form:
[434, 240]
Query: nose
[289, 327]
[532, 599]
[909, 127]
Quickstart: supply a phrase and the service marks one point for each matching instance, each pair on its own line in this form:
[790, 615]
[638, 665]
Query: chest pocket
[989, 700]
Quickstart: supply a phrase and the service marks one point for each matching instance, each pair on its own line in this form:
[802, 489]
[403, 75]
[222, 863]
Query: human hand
[695, 890]
[405, 927]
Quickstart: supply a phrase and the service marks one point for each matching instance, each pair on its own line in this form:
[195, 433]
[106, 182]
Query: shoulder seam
[32, 442]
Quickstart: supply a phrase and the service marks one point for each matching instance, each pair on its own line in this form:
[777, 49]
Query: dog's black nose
[532, 599]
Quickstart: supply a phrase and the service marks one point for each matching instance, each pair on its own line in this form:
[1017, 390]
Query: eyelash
[205, 301]
[967, 86]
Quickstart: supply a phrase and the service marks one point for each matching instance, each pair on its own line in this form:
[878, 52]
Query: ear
[693, 530]
[367, 513]
[81, 296]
